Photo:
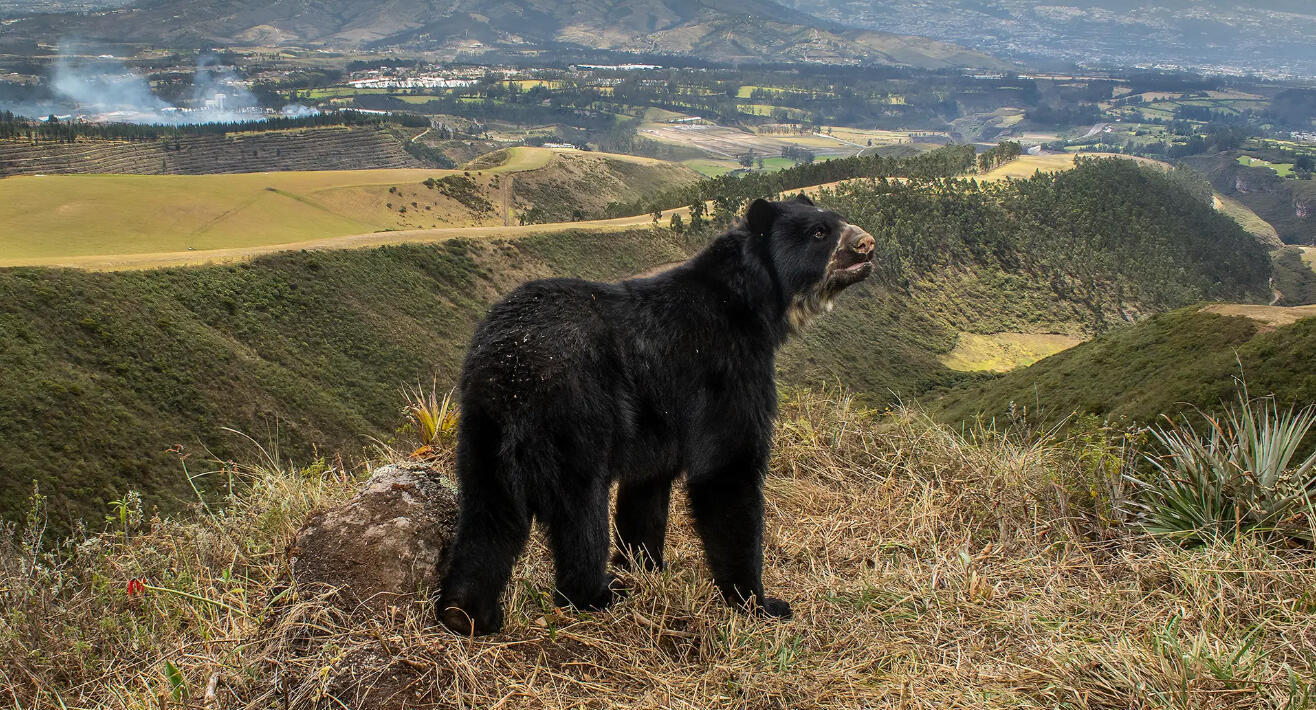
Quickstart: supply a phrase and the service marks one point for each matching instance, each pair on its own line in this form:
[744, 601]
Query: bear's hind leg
[642, 522]
[493, 524]
[488, 541]
[577, 527]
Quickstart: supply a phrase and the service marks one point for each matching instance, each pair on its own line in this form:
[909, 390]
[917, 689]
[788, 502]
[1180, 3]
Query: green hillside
[1286, 204]
[1167, 364]
[107, 371]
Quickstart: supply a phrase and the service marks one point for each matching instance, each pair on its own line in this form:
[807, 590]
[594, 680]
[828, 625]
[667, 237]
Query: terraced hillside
[322, 148]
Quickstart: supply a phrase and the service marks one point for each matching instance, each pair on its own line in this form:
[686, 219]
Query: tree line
[1110, 234]
[730, 192]
[52, 129]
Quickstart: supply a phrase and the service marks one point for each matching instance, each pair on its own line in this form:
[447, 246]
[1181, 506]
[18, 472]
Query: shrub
[1241, 475]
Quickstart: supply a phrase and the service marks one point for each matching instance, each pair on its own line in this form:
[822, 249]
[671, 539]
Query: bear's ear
[804, 199]
[760, 216]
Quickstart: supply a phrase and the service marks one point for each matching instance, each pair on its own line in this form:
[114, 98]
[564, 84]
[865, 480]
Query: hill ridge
[731, 30]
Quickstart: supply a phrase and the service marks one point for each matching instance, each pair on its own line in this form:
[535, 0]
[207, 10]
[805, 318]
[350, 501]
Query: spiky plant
[1243, 473]
[434, 417]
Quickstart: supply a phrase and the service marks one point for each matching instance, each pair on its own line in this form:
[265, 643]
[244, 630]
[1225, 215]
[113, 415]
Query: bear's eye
[820, 233]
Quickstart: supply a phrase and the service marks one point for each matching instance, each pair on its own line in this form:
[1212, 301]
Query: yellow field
[1270, 315]
[409, 99]
[80, 219]
[1025, 165]
[1001, 352]
[1309, 256]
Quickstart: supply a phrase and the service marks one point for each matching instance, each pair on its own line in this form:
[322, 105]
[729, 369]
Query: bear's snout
[858, 241]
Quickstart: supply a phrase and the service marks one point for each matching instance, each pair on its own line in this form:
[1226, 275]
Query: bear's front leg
[727, 505]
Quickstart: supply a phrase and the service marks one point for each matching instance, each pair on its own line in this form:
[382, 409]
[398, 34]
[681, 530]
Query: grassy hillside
[1295, 279]
[1166, 364]
[108, 370]
[57, 216]
[105, 371]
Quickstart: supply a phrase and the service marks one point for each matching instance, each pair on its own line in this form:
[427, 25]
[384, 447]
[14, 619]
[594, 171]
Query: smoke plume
[105, 89]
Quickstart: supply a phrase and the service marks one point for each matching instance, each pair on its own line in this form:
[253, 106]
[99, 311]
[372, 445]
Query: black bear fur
[570, 385]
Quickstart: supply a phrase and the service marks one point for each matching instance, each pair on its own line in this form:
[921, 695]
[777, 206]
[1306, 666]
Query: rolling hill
[1168, 364]
[322, 148]
[728, 30]
[54, 218]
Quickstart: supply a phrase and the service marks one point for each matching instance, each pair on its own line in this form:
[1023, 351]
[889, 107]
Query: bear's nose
[860, 242]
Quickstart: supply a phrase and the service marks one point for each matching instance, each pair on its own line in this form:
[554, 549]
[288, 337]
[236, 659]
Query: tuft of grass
[928, 568]
[1243, 474]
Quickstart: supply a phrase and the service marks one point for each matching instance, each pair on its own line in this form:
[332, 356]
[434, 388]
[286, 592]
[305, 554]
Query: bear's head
[814, 253]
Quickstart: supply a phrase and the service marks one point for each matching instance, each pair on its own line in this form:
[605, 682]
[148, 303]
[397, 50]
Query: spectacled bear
[570, 385]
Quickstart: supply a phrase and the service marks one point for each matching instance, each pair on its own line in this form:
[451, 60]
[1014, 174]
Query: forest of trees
[13, 126]
[1108, 231]
[731, 191]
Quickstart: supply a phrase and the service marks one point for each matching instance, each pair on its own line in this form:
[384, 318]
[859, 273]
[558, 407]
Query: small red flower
[135, 587]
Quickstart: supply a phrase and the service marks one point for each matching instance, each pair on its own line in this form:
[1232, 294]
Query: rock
[383, 545]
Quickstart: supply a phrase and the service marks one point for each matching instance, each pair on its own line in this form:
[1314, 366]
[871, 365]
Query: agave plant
[1243, 473]
[435, 418]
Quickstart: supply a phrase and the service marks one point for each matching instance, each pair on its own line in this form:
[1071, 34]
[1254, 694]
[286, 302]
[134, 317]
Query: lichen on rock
[383, 545]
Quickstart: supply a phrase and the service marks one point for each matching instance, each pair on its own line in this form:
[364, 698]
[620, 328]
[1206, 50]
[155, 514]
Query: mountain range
[727, 30]
[1266, 36]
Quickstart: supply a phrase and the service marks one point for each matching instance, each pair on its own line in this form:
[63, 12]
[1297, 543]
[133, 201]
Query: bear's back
[543, 333]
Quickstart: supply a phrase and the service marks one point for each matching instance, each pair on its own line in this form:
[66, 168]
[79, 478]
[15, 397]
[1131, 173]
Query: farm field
[881, 136]
[1309, 256]
[98, 219]
[723, 142]
[1283, 169]
[1026, 165]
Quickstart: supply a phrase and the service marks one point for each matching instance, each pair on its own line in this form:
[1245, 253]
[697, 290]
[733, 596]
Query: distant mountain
[1257, 35]
[727, 30]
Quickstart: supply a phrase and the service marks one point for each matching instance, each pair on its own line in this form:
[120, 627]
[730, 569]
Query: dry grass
[1270, 315]
[145, 221]
[927, 568]
[1248, 220]
[1002, 352]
